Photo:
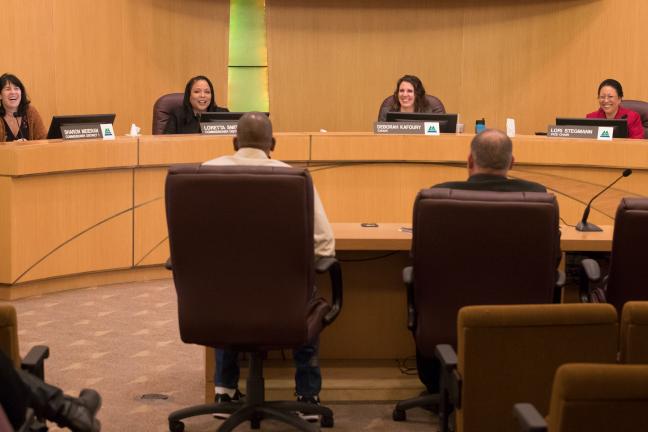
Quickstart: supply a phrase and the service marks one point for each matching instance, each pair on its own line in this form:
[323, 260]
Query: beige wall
[332, 61]
[91, 56]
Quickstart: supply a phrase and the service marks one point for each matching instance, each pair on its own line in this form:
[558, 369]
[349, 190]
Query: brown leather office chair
[641, 108]
[633, 341]
[435, 104]
[508, 354]
[471, 248]
[163, 108]
[628, 272]
[592, 398]
[241, 242]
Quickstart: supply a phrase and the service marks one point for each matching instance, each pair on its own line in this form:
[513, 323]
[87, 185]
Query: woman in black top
[198, 99]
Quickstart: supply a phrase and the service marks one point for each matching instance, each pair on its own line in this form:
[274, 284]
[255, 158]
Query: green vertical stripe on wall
[248, 57]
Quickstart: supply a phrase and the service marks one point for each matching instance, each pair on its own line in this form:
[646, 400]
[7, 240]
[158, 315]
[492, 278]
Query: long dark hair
[24, 100]
[187, 94]
[420, 101]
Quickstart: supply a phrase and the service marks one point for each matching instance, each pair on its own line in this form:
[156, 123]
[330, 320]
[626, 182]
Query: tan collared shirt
[323, 233]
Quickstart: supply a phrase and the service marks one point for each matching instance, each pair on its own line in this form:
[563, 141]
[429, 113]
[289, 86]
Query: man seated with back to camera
[490, 159]
[253, 144]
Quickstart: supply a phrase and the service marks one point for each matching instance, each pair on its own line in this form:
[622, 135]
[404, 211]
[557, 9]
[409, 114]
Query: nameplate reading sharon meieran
[219, 127]
[87, 131]
[407, 128]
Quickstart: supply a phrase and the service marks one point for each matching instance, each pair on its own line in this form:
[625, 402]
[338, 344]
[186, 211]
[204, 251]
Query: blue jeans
[308, 376]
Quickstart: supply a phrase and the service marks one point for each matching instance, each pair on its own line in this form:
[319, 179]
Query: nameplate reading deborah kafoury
[219, 127]
[406, 128]
[81, 131]
[573, 131]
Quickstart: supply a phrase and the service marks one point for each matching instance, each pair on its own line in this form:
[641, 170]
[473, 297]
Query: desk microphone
[585, 226]
[16, 115]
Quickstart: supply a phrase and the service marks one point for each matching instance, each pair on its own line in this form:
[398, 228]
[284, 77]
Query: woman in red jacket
[610, 95]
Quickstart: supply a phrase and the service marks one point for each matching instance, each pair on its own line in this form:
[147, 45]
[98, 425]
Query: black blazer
[184, 121]
[495, 183]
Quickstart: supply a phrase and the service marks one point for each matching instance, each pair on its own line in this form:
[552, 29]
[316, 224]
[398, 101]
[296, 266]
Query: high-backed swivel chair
[242, 255]
[628, 271]
[509, 354]
[641, 108]
[592, 398]
[163, 108]
[472, 248]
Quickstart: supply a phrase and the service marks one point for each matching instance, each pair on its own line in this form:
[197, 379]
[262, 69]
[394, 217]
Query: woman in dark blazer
[198, 98]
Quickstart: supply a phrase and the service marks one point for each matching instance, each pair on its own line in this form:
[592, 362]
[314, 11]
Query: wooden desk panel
[66, 223]
[172, 149]
[48, 156]
[51, 191]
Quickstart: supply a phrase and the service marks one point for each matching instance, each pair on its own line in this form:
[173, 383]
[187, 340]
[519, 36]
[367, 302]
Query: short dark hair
[420, 101]
[187, 93]
[24, 99]
[492, 149]
[616, 85]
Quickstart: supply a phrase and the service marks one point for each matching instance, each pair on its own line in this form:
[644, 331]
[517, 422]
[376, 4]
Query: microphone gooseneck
[585, 226]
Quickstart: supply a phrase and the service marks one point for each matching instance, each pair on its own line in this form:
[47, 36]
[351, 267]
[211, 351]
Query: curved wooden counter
[80, 213]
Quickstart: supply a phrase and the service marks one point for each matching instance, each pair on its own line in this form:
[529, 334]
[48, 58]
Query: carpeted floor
[123, 341]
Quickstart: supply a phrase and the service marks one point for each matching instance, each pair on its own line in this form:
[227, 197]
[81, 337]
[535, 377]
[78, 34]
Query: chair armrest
[408, 279]
[34, 361]
[591, 269]
[529, 418]
[168, 265]
[448, 358]
[591, 285]
[332, 266]
[450, 385]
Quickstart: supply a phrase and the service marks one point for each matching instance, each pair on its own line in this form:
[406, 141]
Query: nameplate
[220, 127]
[407, 128]
[87, 131]
[592, 132]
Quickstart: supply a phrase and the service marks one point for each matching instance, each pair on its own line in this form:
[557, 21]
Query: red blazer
[635, 128]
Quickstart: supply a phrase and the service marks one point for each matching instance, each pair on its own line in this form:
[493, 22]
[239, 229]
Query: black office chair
[33, 362]
[243, 264]
[472, 248]
[628, 272]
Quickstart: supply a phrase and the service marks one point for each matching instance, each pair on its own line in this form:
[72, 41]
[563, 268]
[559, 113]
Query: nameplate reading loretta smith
[407, 128]
[225, 127]
[573, 131]
[81, 131]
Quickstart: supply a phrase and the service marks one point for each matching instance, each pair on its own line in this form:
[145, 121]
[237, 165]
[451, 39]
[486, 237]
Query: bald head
[491, 152]
[254, 130]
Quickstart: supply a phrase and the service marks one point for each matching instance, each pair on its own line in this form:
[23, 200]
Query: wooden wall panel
[77, 56]
[332, 62]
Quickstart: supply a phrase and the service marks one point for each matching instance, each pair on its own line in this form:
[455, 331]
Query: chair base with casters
[400, 411]
[256, 408]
